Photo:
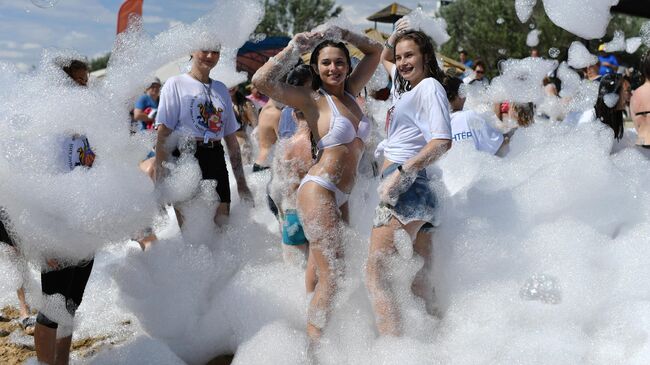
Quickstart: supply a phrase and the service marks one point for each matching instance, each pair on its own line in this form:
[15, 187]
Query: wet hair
[610, 83]
[525, 113]
[316, 82]
[478, 63]
[299, 75]
[425, 45]
[451, 85]
[645, 65]
[75, 65]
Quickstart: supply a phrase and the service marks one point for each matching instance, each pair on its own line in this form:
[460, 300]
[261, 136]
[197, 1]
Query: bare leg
[24, 308]
[310, 275]
[63, 350]
[322, 224]
[422, 286]
[222, 214]
[45, 343]
[382, 248]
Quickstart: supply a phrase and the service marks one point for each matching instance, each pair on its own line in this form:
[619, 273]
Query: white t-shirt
[467, 125]
[416, 117]
[77, 152]
[203, 110]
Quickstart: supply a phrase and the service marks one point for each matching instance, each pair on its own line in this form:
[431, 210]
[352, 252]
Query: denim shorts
[418, 203]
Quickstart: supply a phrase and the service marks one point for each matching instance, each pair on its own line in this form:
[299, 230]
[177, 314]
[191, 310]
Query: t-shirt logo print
[86, 155]
[210, 117]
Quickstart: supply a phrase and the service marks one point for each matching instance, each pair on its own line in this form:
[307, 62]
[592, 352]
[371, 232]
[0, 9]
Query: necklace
[206, 87]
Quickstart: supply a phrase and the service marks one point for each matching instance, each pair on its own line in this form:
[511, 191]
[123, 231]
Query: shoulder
[219, 86]
[430, 87]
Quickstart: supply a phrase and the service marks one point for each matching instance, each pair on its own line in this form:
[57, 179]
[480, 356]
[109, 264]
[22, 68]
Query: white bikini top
[342, 130]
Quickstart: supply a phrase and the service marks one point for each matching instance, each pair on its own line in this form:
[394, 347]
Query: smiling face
[205, 60]
[410, 61]
[333, 66]
[624, 95]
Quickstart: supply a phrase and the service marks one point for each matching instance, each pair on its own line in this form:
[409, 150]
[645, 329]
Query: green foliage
[472, 25]
[287, 17]
[99, 62]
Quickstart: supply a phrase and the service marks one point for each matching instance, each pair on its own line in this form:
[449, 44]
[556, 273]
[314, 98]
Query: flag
[128, 7]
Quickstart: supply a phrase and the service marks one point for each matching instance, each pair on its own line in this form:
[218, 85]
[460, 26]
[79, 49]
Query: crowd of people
[307, 127]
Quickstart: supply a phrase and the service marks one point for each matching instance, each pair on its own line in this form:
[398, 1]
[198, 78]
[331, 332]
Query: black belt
[209, 144]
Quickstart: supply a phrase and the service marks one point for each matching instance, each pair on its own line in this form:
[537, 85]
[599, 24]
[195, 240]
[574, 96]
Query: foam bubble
[436, 28]
[554, 52]
[644, 33]
[579, 56]
[632, 44]
[585, 19]
[532, 39]
[524, 9]
[617, 43]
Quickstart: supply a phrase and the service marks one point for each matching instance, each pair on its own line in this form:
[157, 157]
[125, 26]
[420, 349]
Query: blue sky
[88, 26]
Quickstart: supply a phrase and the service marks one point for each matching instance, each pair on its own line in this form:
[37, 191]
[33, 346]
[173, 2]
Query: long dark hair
[609, 84]
[316, 82]
[425, 44]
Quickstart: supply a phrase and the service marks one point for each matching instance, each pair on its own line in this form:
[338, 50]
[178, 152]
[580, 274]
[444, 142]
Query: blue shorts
[292, 232]
[418, 203]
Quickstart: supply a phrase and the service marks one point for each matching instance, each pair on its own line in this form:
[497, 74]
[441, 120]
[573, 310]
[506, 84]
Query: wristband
[388, 45]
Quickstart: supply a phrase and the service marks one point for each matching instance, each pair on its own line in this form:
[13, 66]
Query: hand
[245, 194]
[394, 185]
[305, 42]
[402, 25]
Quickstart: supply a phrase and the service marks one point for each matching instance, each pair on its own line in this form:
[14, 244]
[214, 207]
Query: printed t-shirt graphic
[203, 110]
[78, 152]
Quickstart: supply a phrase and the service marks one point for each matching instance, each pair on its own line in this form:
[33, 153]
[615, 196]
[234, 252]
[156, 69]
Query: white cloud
[31, 46]
[152, 19]
[11, 54]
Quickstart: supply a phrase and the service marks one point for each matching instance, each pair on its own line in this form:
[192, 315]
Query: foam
[521, 80]
[585, 19]
[436, 28]
[644, 33]
[632, 44]
[532, 39]
[617, 43]
[579, 56]
[524, 9]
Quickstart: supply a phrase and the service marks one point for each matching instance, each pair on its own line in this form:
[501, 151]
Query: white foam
[524, 9]
[644, 33]
[532, 39]
[436, 28]
[521, 80]
[632, 44]
[586, 19]
[617, 43]
[579, 56]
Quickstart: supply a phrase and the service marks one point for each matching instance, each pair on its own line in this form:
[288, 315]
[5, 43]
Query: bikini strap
[330, 102]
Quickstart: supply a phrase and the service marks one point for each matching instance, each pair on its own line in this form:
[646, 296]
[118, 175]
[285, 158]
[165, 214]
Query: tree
[490, 30]
[99, 62]
[287, 17]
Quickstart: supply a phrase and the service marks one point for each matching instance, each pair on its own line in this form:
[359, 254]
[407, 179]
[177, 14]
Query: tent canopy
[389, 14]
[252, 56]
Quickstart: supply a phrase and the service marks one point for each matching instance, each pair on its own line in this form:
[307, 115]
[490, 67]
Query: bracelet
[388, 45]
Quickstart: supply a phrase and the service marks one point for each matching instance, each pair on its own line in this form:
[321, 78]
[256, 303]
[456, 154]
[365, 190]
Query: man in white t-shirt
[469, 126]
[196, 105]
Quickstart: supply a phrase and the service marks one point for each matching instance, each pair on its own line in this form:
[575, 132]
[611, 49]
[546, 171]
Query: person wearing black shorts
[27, 321]
[63, 286]
[194, 103]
